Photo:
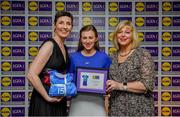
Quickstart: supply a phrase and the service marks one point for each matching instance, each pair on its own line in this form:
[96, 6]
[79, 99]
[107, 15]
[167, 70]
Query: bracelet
[125, 86]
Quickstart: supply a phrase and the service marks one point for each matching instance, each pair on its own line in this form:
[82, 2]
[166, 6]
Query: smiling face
[88, 40]
[124, 36]
[63, 26]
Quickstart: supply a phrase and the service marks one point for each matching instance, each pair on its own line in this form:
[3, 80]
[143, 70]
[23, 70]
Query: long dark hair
[88, 28]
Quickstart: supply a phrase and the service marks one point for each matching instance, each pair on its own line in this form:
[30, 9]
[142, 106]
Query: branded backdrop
[26, 24]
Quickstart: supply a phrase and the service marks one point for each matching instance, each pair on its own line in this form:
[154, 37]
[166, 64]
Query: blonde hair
[135, 40]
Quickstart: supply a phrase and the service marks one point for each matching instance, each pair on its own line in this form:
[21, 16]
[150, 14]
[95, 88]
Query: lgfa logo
[33, 51]
[5, 111]
[33, 21]
[166, 66]
[6, 66]
[166, 21]
[165, 111]
[110, 37]
[6, 36]
[141, 36]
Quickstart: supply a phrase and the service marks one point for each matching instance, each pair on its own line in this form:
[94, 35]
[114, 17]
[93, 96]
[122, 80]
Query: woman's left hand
[112, 85]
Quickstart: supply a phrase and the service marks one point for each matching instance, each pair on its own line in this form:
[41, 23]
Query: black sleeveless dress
[38, 105]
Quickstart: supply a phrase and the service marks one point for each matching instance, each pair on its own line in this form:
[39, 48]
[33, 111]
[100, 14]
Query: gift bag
[61, 84]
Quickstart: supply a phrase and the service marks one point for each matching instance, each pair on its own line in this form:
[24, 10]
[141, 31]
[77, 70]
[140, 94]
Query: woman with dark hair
[88, 55]
[52, 55]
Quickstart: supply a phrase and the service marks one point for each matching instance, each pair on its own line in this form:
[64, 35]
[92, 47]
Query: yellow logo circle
[33, 21]
[167, 6]
[6, 51]
[6, 66]
[6, 36]
[33, 36]
[5, 5]
[6, 81]
[87, 21]
[60, 6]
[87, 6]
[6, 21]
[166, 51]
[166, 21]
[139, 21]
[5, 112]
[112, 50]
[166, 36]
[6, 96]
[113, 6]
[166, 96]
[165, 111]
[166, 81]
[110, 37]
[166, 66]
[141, 36]
[33, 6]
[140, 6]
[29, 95]
[33, 51]
[113, 21]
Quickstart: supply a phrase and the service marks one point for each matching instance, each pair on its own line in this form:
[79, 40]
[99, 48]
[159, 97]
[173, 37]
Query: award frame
[95, 80]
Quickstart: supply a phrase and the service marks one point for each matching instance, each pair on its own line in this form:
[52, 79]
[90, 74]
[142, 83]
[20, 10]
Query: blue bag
[62, 84]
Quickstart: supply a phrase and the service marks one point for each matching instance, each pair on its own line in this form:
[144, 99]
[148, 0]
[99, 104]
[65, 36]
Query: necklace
[123, 55]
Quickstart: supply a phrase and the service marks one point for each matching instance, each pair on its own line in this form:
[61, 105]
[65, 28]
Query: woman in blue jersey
[88, 55]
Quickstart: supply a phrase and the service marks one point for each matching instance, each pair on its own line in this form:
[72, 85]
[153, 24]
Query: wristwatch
[124, 86]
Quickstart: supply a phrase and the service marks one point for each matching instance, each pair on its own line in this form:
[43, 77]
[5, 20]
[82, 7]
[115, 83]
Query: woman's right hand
[54, 99]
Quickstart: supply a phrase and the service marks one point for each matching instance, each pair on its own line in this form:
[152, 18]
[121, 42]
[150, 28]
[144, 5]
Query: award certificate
[91, 80]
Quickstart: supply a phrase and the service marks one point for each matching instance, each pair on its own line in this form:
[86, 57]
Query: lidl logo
[5, 5]
[166, 96]
[60, 6]
[166, 66]
[33, 6]
[112, 50]
[33, 51]
[6, 51]
[139, 21]
[113, 21]
[87, 21]
[141, 36]
[5, 112]
[87, 6]
[140, 6]
[166, 21]
[5, 20]
[110, 37]
[33, 36]
[167, 6]
[113, 6]
[6, 96]
[6, 81]
[6, 66]
[166, 51]
[165, 111]
[166, 81]
[6, 36]
[33, 21]
[166, 36]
